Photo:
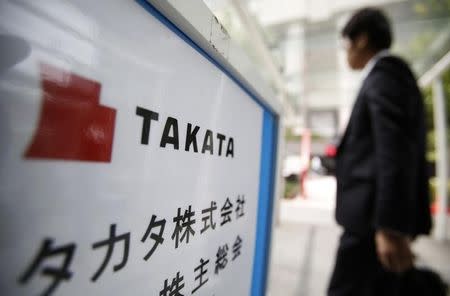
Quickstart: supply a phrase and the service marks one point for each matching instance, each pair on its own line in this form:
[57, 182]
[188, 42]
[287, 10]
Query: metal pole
[441, 158]
[280, 183]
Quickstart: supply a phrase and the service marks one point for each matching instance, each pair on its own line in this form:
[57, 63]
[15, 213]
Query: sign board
[132, 162]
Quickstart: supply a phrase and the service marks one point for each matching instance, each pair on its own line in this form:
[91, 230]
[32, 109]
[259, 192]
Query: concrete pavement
[304, 244]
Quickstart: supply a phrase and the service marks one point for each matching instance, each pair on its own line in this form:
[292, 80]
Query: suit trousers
[358, 271]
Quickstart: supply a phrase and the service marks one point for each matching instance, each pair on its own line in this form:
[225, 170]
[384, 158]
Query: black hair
[374, 23]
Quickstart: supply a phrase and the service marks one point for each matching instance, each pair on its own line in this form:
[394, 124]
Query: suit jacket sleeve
[387, 109]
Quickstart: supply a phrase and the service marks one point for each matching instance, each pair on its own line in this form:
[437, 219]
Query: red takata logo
[72, 125]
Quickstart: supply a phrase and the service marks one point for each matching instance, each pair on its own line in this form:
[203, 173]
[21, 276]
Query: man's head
[367, 32]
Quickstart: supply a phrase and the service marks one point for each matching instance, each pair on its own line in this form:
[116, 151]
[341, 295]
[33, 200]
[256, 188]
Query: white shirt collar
[371, 63]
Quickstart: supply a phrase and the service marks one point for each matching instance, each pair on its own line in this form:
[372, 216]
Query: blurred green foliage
[291, 188]
[433, 190]
[290, 136]
[435, 18]
[431, 140]
[428, 101]
[432, 8]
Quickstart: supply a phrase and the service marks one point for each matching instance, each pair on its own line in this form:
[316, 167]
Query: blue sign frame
[267, 161]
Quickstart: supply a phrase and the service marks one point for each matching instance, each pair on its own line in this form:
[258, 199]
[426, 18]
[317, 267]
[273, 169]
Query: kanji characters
[226, 211]
[237, 247]
[208, 217]
[240, 206]
[221, 258]
[183, 226]
[202, 271]
[57, 274]
[175, 288]
[110, 242]
[157, 237]
[154, 236]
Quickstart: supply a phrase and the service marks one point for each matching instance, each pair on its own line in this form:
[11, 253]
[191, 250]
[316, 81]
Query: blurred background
[295, 45]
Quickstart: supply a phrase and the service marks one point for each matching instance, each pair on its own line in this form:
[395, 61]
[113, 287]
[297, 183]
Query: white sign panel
[130, 163]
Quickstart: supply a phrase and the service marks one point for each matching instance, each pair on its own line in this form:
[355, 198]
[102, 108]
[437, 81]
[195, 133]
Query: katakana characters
[110, 242]
[175, 288]
[57, 274]
[46, 265]
[157, 237]
[183, 226]
[208, 218]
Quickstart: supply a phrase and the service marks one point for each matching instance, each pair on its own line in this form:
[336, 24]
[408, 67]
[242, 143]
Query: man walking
[382, 185]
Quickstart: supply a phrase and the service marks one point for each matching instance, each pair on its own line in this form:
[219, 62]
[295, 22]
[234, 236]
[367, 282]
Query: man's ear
[361, 41]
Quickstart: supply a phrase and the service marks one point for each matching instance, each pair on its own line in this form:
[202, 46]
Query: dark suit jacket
[381, 170]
